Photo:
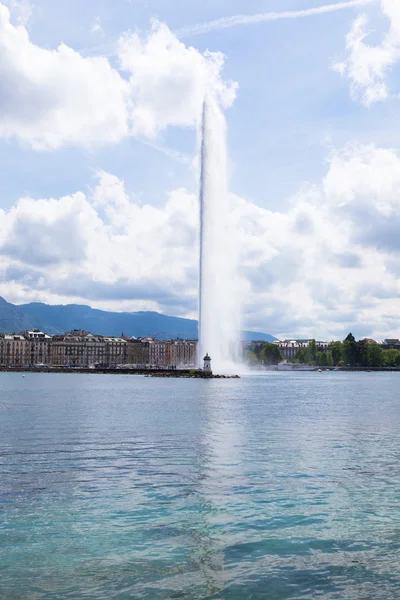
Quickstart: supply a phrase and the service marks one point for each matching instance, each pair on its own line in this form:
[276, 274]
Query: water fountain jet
[219, 318]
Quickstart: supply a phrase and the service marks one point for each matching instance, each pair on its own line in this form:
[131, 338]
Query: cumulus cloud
[320, 268]
[367, 66]
[168, 80]
[102, 247]
[47, 232]
[51, 98]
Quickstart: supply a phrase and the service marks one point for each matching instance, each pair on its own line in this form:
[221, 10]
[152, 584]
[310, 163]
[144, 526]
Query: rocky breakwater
[193, 374]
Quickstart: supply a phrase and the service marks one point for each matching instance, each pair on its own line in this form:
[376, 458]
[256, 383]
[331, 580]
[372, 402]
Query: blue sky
[98, 140]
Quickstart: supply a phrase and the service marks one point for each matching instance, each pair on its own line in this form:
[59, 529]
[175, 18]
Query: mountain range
[59, 319]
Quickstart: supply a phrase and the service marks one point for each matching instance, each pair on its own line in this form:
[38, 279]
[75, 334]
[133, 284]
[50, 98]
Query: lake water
[270, 487]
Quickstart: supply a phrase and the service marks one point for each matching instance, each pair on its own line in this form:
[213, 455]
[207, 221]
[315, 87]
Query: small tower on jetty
[207, 364]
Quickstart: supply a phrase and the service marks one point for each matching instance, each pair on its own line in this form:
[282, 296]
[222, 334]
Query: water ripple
[279, 487]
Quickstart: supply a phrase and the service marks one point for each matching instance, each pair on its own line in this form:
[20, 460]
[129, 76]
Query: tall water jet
[219, 319]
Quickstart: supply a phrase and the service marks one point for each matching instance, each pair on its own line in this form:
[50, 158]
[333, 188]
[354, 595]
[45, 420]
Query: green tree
[271, 354]
[258, 350]
[252, 358]
[391, 358]
[350, 351]
[336, 349]
[364, 354]
[300, 357]
[313, 350]
[322, 359]
[375, 355]
[310, 354]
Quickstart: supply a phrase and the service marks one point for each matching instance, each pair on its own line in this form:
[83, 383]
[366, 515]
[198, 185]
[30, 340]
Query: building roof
[37, 334]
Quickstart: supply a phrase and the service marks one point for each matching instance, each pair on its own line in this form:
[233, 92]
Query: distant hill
[12, 318]
[59, 319]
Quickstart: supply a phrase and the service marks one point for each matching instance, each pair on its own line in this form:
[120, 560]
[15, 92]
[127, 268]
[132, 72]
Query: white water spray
[219, 320]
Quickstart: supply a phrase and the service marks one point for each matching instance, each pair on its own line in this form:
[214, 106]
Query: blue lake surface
[270, 487]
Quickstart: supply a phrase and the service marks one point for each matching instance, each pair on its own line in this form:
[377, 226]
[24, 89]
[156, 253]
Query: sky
[99, 117]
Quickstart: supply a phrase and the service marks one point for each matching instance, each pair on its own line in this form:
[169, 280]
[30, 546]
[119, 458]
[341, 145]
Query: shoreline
[188, 373]
[166, 373]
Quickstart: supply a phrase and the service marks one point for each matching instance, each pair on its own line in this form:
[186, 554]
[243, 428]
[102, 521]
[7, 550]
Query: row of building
[80, 349]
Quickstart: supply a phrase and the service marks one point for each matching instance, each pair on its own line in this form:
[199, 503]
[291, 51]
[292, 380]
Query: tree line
[349, 353]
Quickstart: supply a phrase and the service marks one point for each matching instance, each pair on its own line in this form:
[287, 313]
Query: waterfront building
[289, 348]
[14, 351]
[39, 347]
[391, 344]
[157, 353]
[172, 353]
[115, 351]
[137, 352]
[185, 353]
[77, 349]
[369, 341]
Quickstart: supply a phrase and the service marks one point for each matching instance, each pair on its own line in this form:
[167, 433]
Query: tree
[257, 351]
[322, 359]
[350, 351]
[300, 357]
[391, 358]
[336, 349]
[375, 355]
[252, 358]
[364, 353]
[313, 350]
[271, 354]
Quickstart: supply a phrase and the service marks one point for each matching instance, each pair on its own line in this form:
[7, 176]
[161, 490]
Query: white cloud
[327, 265]
[169, 80]
[367, 66]
[51, 98]
[54, 97]
[96, 26]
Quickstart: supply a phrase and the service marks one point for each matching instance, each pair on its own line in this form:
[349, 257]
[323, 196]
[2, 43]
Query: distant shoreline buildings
[81, 349]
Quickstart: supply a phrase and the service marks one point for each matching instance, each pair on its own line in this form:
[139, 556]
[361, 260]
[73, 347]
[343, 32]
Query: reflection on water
[283, 486]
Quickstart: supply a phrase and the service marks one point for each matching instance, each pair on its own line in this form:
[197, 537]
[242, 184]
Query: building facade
[77, 349]
[391, 344]
[185, 353]
[14, 351]
[81, 349]
[289, 348]
[137, 352]
[173, 353]
[39, 348]
[115, 351]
